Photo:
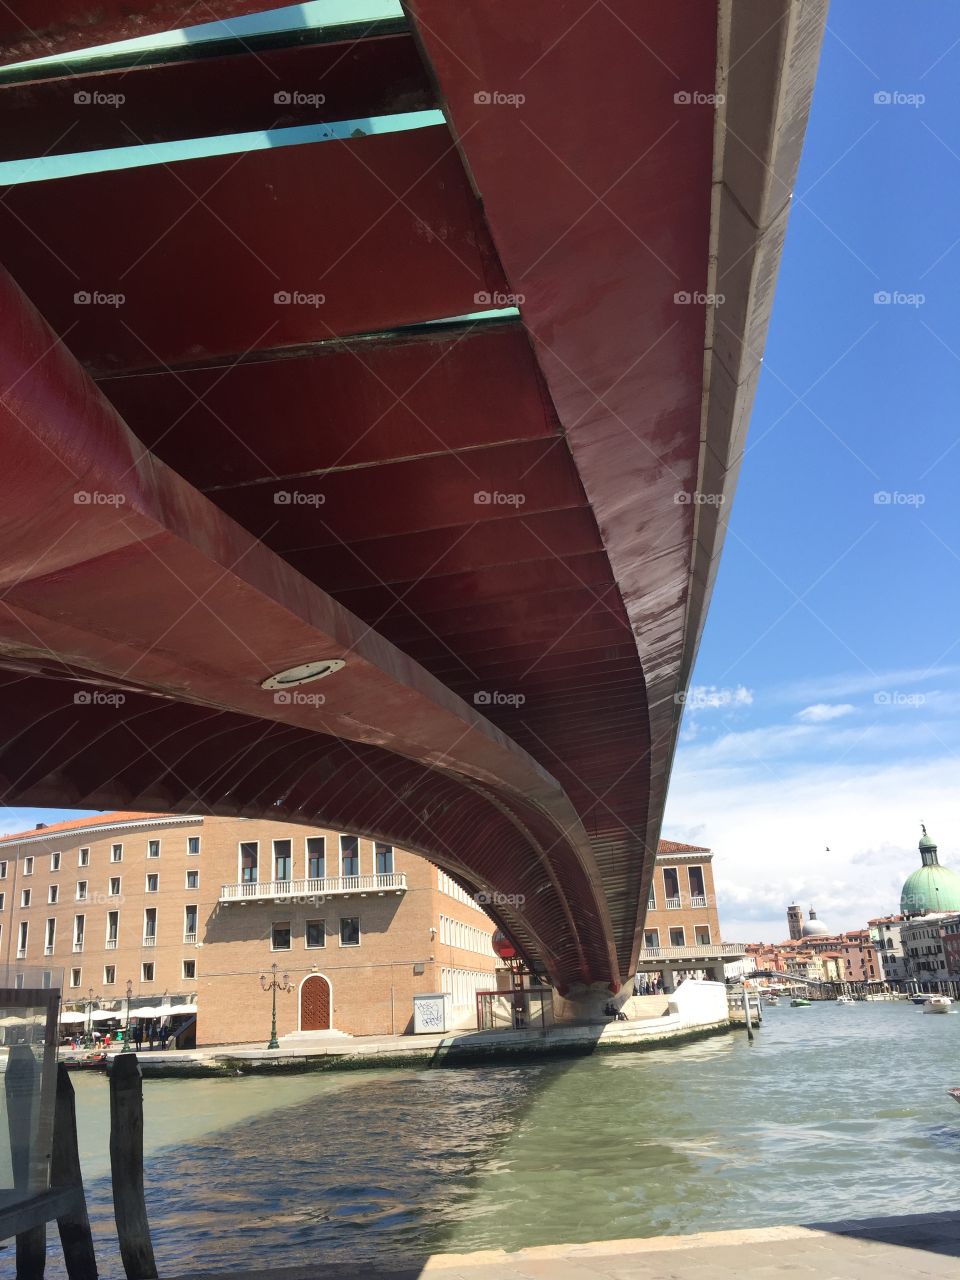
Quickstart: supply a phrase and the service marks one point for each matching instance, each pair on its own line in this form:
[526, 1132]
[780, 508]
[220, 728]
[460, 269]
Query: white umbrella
[73, 1017]
[105, 1015]
[182, 1008]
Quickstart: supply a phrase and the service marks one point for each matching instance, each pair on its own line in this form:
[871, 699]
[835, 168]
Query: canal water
[833, 1112]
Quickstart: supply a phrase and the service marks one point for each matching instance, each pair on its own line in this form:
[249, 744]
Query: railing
[111, 944]
[257, 890]
[48, 949]
[692, 952]
[150, 940]
[78, 944]
[673, 904]
[21, 953]
[189, 939]
[698, 900]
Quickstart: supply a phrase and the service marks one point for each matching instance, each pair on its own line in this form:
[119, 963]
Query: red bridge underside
[385, 433]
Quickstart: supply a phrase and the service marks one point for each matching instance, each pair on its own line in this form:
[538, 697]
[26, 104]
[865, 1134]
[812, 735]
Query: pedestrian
[151, 1036]
[138, 1035]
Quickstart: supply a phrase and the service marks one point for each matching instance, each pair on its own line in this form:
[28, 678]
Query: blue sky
[828, 599]
[829, 674]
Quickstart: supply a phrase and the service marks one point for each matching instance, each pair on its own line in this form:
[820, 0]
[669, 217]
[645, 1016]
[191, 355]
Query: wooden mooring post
[126, 1167]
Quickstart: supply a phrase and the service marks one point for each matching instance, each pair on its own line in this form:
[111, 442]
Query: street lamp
[126, 1030]
[274, 985]
[90, 1017]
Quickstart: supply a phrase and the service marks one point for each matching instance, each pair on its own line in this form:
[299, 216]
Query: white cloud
[822, 711]
[701, 697]
[846, 686]
[769, 824]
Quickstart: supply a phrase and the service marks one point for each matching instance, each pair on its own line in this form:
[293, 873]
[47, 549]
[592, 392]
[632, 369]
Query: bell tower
[795, 920]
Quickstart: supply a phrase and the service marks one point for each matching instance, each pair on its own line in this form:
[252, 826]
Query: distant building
[888, 944]
[814, 928]
[925, 954]
[681, 931]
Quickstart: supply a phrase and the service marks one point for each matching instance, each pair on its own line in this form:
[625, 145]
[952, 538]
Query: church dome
[931, 887]
[814, 928]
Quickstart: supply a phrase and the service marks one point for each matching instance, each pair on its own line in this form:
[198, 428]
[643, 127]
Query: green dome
[926, 842]
[932, 888]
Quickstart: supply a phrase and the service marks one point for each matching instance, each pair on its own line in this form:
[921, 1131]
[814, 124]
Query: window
[190, 969]
[676, 938]
[153, 848]
[702, 935]
[193, 844]
[282, 859]
[113, 929]
[53, 893]
[75, 977]
[384, 858]
[28, 866]
[190, 924]
[22, 940]
[50, 936]
[146, 971]
[280, 936]
[652, 900]
[55, 862]
[116, 853]
[3, 870]
[193, 879]
[671, 884]
[349, 856]
[153, 883]
[315, 934]
[81, 890]
[695, 878]
[249, 853]
[83, 858]
[349, 931]
[2, 900]
[24, 897]
[109, 974]
[651, 938]
[315, 857]
[114, 886]
[150, 926]
[78, 926]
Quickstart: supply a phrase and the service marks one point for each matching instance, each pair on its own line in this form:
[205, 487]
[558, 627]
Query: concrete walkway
[874, 1249]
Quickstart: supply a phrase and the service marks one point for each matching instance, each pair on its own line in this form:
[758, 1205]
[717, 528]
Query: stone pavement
[922, 1245]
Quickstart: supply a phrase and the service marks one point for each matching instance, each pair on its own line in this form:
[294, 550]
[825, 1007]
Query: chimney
[41, 826]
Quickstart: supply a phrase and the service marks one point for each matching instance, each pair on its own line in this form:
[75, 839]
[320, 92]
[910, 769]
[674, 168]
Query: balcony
[78, 944]
[328, 886]
[190, 939]
[21, 953]
[698, 900]
[673, 904]
[111, 944]
[48, 949]
[150, 940]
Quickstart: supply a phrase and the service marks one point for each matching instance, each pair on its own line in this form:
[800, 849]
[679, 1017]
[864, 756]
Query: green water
[833, 1112]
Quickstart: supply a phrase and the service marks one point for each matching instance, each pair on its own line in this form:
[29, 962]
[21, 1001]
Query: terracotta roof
[674, 846]
[78, 824]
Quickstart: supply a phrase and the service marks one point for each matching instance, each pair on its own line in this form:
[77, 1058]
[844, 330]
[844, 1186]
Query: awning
[73, 1017]
[105, 1015]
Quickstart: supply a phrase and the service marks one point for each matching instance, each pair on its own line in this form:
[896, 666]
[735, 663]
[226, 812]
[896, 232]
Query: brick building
[681, 930]
[191, 910]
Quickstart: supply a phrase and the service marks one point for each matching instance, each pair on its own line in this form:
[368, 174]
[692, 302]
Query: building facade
[681, 930]
[184, 911]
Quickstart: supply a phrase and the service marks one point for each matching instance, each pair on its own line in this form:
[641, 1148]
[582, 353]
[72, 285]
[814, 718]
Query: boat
[771, 999]
[938, 1004]
[89, 1061]
[954, 1094]
[919, 999]
[799, 1003]
[844, 1000]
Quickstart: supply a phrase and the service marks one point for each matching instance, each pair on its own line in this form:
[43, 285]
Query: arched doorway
[315, 1003]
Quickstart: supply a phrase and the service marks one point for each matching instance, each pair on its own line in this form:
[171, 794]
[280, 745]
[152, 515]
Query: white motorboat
[844, 1000]
[938, 1004]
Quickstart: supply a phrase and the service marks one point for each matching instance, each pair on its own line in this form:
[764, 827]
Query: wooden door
[315, 1004]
